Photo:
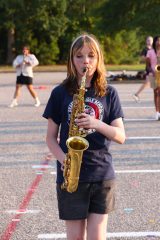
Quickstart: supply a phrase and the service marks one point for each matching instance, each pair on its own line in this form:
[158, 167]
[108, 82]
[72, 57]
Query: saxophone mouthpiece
[85, 69]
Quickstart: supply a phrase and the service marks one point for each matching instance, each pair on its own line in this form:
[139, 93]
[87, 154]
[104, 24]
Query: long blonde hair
[99, 77]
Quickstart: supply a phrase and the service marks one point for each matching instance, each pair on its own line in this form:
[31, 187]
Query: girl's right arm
[52, 141]
[17, 62]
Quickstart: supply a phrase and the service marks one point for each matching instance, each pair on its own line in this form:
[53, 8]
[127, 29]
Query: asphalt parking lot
[28, 207]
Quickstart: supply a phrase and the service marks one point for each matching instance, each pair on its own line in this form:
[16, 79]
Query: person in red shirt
[153, 60]
[149, 42]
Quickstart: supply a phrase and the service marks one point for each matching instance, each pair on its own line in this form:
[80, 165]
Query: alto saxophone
[157, 75]
[76, 142]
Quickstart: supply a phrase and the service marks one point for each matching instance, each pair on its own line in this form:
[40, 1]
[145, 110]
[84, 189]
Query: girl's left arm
[115, 131]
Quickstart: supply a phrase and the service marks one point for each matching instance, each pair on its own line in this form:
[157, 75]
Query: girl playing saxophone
[88, 207]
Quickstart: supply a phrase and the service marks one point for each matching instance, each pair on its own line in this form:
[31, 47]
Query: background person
[153, 59]
[88, 207]
[24, 70]
[149, 42]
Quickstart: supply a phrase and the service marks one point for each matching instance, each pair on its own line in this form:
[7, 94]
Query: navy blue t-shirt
[97, 160]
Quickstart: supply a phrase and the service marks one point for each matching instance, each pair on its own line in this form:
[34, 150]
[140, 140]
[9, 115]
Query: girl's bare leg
[97, 226]
[31, 90]
[14, 102]
[76, 229]
[157, 99]
[17, 91]
[142, 87]
[34, 95]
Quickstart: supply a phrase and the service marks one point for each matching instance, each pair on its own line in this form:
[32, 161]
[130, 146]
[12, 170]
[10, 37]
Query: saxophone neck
[83, 81]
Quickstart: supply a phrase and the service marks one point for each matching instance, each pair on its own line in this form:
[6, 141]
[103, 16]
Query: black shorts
[96, 197]
[24, 80]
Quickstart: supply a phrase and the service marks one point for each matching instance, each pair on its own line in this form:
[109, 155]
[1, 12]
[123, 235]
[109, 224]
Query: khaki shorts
[96, 197]
[153, 82]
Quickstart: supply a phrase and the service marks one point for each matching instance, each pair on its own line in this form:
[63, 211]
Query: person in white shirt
[24, 64]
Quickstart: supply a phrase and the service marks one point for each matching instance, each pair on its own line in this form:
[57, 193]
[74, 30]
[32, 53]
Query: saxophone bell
[76, 146]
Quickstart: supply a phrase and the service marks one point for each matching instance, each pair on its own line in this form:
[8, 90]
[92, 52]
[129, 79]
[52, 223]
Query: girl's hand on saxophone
[86, 121]
[115, 131]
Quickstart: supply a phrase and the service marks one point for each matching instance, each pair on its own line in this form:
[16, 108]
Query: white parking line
[22, 211]
[139, 171]
[137, 107]
[139, 119]
[129, 171]
[41, 166]
[143, 138]
[108, 235]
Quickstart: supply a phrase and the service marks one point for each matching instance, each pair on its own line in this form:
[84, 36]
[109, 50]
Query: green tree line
[49, 26]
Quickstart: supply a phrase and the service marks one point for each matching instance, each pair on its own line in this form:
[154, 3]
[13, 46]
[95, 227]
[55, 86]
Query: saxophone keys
[68, 173]
[68, 161]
